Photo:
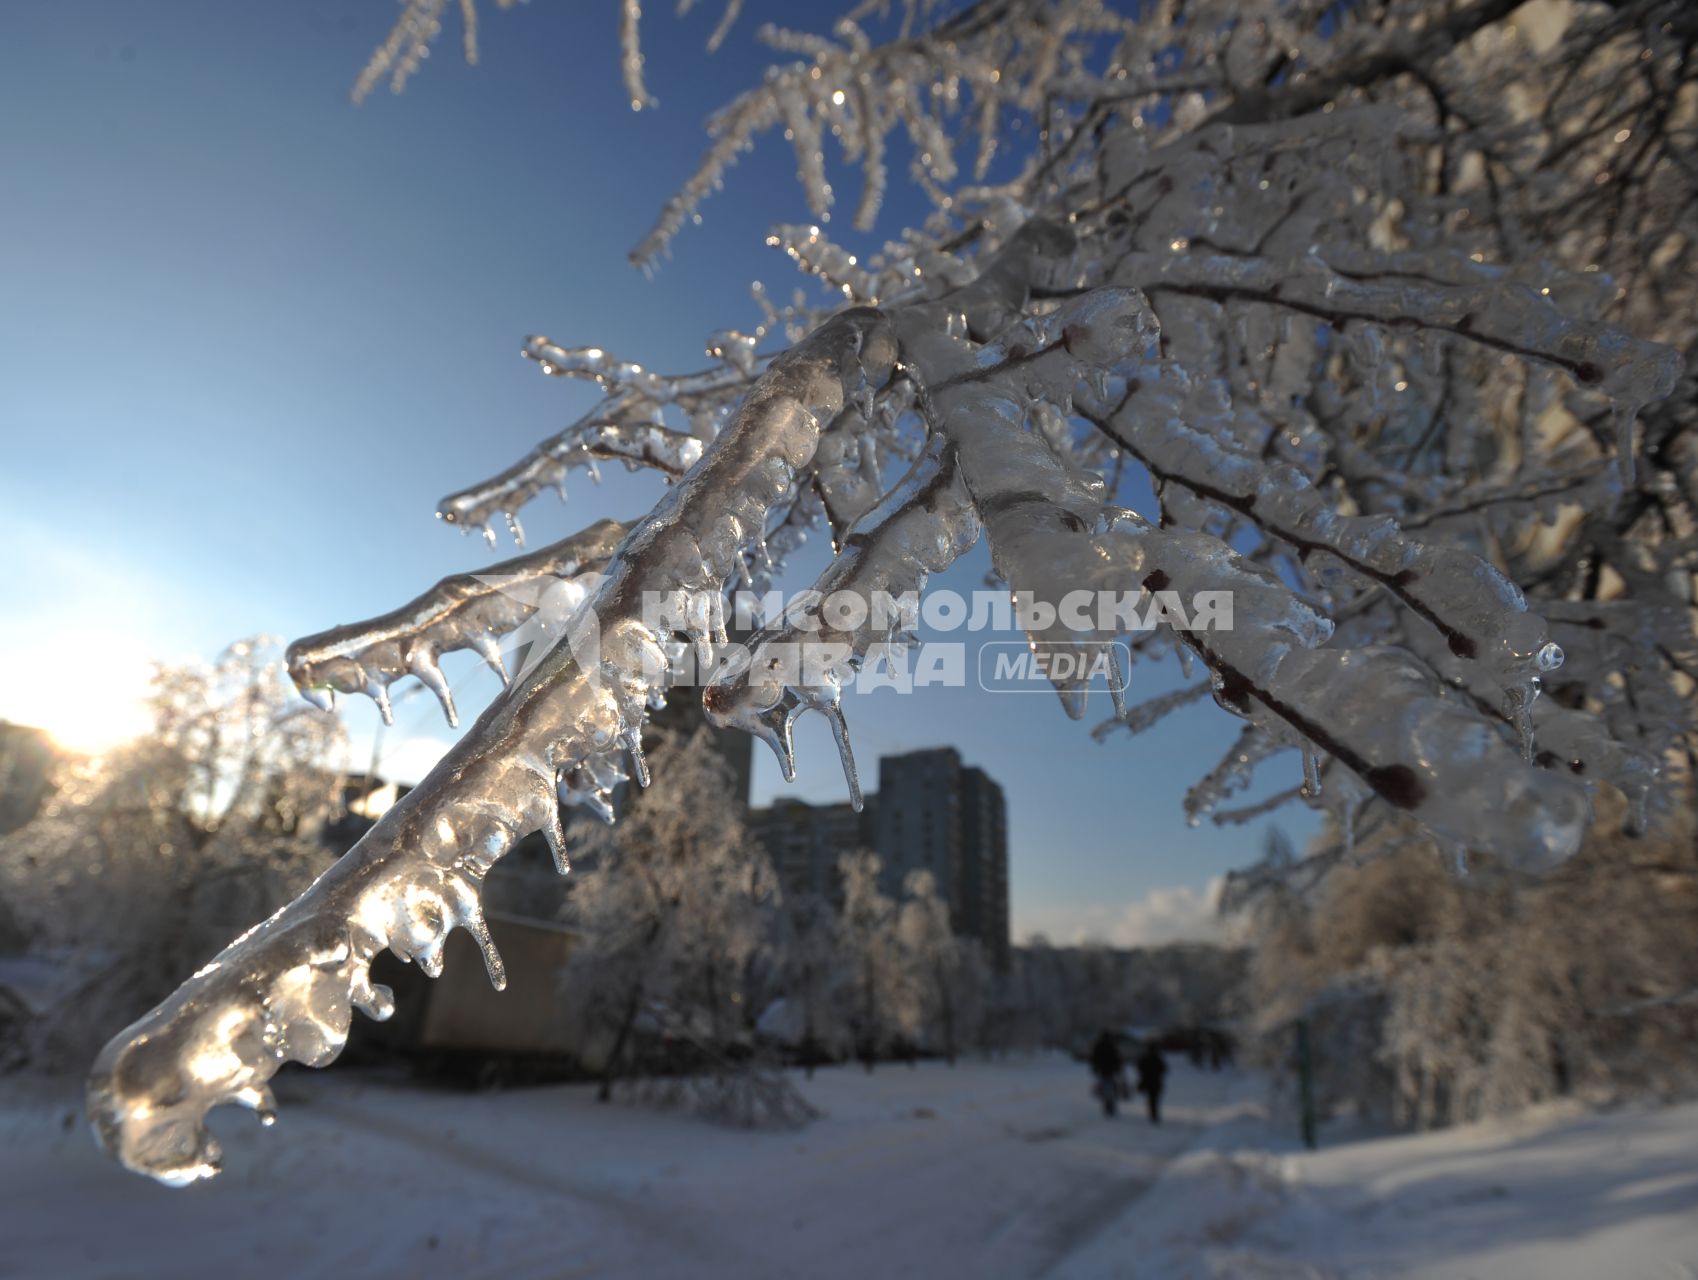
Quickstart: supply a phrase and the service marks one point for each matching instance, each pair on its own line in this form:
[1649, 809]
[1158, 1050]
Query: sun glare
[92, 702]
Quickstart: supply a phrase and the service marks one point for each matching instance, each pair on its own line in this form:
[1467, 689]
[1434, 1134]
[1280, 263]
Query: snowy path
[991, 1170]
[988, 1170]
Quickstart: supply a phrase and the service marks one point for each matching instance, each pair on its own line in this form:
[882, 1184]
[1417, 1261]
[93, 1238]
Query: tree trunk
[610, 1068]
[946, 1010]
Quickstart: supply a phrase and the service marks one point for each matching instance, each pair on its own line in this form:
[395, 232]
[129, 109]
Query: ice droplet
[1518, 704]
[1622, 418]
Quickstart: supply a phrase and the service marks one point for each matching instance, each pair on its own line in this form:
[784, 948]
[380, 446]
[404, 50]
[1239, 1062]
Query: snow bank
[1553, 1194]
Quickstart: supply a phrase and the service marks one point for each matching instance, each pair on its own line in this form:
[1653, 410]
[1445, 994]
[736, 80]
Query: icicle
[632, 740]
[773, 727]
[423, 665]
[581, 787]
[517, 529]
[1518, 706]
[554, 832]
[1311, 774]
[863, 401]
[1075, 698]
[478, 927]
[840, 731]
[489, 649]
[379, 693]
[374, 999]
[1622, 418]
[262, 1102]
[1116, 684]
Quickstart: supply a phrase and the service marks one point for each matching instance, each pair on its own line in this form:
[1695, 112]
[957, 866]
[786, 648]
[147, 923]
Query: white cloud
[1174, 913]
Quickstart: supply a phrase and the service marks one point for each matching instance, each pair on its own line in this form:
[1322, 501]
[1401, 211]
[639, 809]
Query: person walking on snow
[1152, 1074]
[1106, 1066]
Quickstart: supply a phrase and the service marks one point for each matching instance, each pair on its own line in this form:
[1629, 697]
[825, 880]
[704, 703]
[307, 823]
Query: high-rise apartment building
[931, 813]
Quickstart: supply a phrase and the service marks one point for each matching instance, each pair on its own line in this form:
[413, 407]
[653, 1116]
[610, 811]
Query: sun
[95, 700]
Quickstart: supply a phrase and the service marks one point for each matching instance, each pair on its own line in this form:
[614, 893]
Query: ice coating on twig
[1182, 434]
[814, 253]
[1566, 739]
[1044, 527]
[1375, 709]
[1232, 772]
[928, 521]
[601, 367]
[464, 611]
[1507, 316]
[856, 91]
[282, 991]
[1149, 712]
[636, 445]
[1249, 812]
[802, 663]
[628, 427]
[1365, 332]
[406, 46]
[1031, 502]
[1267, 666]
[631, 54]
[847, 470]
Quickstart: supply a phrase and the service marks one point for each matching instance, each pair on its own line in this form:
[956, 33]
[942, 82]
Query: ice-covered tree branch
[1387, 304]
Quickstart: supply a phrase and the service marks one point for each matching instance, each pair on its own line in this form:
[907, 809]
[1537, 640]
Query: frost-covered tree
[141, 859]
[669, 916]
[1433, 1000]
[948, 974]
[810, 975]
[881, 1012]
[1388, 303]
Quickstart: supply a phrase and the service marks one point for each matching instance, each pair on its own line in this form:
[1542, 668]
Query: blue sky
[249, 334]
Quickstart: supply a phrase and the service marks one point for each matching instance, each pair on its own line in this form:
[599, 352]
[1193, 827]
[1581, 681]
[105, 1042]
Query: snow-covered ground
[1557, 1194]
[991, 1169]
